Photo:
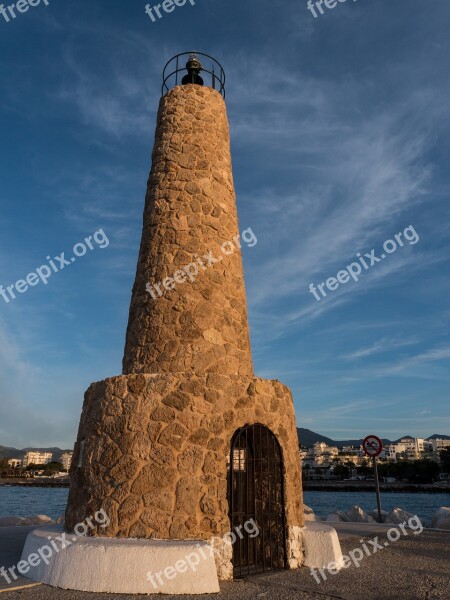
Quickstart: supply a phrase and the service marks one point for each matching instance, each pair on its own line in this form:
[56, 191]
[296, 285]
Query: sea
[17, 501]
[424, 505]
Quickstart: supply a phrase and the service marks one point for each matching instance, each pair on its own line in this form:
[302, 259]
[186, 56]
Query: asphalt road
[416, 567]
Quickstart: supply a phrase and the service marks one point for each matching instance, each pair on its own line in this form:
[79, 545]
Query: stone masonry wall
[156, 450]
[153, 444]
[190, 210]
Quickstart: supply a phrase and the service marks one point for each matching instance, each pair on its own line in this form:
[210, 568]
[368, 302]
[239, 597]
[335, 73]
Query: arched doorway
[256, 496]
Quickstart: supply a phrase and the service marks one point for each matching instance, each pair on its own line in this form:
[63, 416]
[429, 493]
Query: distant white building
[321, 460]
[438, 445]
[323, 453]
[14, 462]
[36, 458]
[66, 459]
[416, 448]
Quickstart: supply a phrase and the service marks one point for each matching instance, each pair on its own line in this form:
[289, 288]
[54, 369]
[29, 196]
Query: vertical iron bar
[276, 494]
[260, 501]
[232, 483]
[176, 72]
[255, 540]
[245, 506]
[269, 506]
[239, 498]
[283, 515]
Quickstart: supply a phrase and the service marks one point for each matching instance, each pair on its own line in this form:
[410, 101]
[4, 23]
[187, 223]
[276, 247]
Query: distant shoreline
[312, 486]
[56, 483]
[369, 486]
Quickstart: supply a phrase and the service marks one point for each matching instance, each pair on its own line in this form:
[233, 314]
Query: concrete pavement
[12, 540]
[416, 567]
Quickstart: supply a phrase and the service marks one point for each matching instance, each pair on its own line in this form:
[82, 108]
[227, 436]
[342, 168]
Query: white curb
[321, 545]
[116, 565]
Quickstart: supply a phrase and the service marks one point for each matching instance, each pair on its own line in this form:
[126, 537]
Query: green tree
[365, 468]
[4, 467]
[52, 467]
[426, 471]
[341, 471]
[445, 460]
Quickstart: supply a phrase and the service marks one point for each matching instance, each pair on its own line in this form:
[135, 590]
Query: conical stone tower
[166, 448]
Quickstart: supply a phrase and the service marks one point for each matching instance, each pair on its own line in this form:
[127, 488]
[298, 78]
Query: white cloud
[383, 345]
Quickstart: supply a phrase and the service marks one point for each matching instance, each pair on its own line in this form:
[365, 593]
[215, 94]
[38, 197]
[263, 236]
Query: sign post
[373, 446]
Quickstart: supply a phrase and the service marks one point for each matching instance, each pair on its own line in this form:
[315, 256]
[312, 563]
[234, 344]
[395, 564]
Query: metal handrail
[217, 78]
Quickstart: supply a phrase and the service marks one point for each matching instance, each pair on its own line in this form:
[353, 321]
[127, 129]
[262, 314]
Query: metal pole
[377, 486]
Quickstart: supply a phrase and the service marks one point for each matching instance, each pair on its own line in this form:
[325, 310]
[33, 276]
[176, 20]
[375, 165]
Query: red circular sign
[372, 446]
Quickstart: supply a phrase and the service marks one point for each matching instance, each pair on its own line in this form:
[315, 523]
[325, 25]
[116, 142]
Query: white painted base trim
[121, 565]
[321, 545]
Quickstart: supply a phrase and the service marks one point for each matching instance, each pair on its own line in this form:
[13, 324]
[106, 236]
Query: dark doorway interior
[256, 495]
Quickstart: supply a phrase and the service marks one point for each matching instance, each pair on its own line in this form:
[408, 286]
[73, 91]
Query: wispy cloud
[383, 345]
[359, 175]
[430, 356]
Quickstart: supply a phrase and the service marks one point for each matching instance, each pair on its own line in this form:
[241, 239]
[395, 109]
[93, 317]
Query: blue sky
[340, 140]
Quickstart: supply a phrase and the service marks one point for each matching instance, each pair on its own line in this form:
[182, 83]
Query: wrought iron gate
[256, 493]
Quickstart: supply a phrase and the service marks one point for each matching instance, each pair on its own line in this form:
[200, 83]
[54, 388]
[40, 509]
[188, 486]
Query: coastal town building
[36, 458]
[407, 449]
[66, 459]
[323, 454]
[417, 448]
[438, 445]
[321, 461]
[15, 462]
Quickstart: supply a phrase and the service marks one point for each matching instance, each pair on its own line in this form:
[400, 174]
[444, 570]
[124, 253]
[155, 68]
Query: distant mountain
[7, 452]
[306, 437]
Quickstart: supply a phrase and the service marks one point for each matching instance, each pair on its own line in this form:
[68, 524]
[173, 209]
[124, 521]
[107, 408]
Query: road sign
[372, 446]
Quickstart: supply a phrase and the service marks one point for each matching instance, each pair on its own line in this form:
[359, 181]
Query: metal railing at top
[175, 69]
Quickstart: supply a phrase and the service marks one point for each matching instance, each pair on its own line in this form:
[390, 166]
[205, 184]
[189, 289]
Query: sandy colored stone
[173, 435]
[206, 199]
[153, 476]
[153, 445]
[130, 509]
[180, 454]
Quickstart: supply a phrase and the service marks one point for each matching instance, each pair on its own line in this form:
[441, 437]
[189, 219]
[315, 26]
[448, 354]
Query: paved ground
[414, 568]
[12, 540]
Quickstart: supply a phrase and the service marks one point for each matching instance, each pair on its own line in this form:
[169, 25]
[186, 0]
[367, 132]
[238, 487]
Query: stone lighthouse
[187, 445]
